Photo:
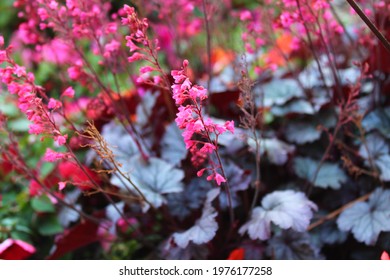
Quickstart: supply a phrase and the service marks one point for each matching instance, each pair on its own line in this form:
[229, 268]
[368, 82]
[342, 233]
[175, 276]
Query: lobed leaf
[366, 220]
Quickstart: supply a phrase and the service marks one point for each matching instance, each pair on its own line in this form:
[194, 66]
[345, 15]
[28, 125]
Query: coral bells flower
[52, 156]
[200, 134]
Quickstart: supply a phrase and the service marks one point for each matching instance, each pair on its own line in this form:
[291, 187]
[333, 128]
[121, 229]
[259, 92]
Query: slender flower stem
[370, 24]
[337, 212]
[208, 42]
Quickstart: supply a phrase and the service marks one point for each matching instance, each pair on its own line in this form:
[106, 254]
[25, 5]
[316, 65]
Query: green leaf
[48, 225]
[18, 235]
[46, 169]
[8, 108]
[42, 204]
[19, 125]
[329, 174]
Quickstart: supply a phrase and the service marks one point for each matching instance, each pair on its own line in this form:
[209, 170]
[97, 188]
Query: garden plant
[194, 129]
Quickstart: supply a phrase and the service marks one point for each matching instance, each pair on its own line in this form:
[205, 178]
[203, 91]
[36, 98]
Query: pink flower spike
[1, 41]
[219, 179]
[69, 92]
[385, 256]
[61, 185]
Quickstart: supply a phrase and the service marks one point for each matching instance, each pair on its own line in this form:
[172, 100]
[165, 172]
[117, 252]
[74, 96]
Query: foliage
[193, 130]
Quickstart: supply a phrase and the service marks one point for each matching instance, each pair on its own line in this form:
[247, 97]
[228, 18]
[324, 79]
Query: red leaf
[73, 173]
[237, 254]
[12, 249]
[78, 236]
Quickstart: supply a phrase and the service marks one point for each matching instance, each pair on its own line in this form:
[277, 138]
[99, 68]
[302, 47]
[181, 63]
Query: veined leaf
[366, 220]
[154, 179]
[291, 245]
[329, 175]
[205, 227]
[173, 148]
[377, 149]
[286, 209]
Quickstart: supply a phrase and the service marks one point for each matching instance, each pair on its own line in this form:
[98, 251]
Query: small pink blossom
[69, 92]
[229, 125]
[75, 72]
[111, 48]
[219, 179]
[208, 148]
[19, 71]
[3, 57]
[146, 69]
[54, 104]
[245, 15]
[1, 41]
[60, 139]
[61, 185]
[52, 156]
[53, 5]
[135, 56]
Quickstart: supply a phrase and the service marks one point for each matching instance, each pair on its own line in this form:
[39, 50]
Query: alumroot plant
[272, 144]
[200, 133]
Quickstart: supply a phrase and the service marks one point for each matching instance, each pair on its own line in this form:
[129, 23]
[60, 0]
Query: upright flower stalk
[200, 134]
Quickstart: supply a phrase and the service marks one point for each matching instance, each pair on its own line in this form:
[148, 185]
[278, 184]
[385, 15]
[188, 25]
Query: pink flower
[219, 179]
[60, 139]
[245, 15]
[3, 57]
[20, 71]
[134, 57]
[1, 41]
[146, 69]
[111, 28]
[208, 148]
[198, 92]
[69, 92]
[229, 125]
[191, 120]
[111, 48]
[385, 256]
[61, 185]
[75, 72]
[54, 104]
[52, 156]
[43, 14]
[53, 5]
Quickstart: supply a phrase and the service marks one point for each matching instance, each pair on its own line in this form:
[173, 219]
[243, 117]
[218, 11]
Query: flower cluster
[138, 42]
[200, 134]
[30, 98]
